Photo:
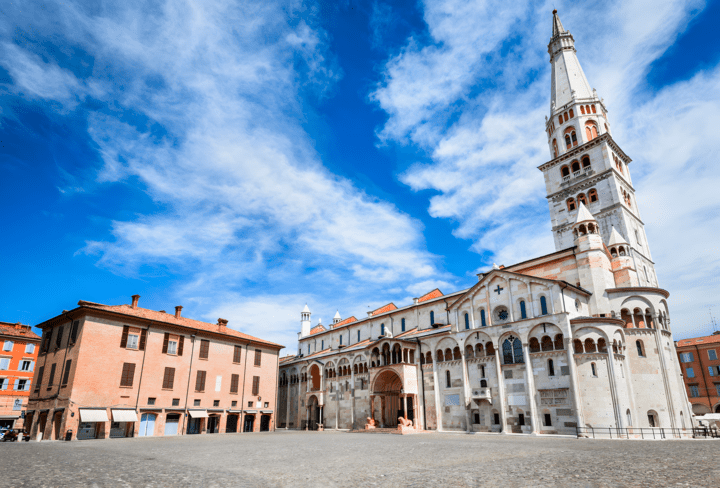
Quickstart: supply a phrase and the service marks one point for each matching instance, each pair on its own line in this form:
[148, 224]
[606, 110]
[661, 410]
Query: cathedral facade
[576, 338]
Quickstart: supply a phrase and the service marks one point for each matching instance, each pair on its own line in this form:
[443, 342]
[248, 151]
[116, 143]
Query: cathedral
[576, 338]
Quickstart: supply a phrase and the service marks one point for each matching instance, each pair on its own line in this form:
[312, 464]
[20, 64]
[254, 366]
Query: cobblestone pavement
[300, 459]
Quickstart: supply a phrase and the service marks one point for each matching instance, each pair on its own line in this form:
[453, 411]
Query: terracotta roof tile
[698, 341]
[170, 319]
[18, 330]
[348, 320]
[436, 293]
[317, 328]
[385, 308]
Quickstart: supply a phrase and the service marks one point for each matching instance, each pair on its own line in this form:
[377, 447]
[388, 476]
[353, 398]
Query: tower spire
[557, 25]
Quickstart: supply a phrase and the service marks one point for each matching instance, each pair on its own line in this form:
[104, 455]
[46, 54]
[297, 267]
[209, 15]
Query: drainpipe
[422, 383]
[187, 392]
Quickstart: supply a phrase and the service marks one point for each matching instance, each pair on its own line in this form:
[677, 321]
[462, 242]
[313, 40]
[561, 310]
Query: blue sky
[242, 159]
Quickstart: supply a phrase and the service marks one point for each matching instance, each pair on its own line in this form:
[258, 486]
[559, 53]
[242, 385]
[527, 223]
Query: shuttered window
[204, 348]
[258, 356]
[234, 380]
[74, 331]
[128, 374]
[58, 338]
[200, 381]
[181, 342]
[166, 339]
[168, 378]
[256, 385]
[123, 338]
[46, 341]
[41, 370]
[236, 355]
[66, 374]
[52, 377]
[143, 339]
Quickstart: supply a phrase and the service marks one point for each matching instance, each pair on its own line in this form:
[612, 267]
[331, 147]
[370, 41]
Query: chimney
[135, 299]
[222, 322]
[178, 309]
[416, 301]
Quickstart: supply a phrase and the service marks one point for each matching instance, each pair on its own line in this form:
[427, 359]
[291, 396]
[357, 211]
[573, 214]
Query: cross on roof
[498, 289]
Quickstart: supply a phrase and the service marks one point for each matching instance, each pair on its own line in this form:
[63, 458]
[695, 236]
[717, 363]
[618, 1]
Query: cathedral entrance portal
[314, 412]
[388, 400]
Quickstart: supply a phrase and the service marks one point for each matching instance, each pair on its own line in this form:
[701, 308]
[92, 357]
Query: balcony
[479, 394]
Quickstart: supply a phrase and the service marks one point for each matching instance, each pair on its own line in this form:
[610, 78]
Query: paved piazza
[359, 460]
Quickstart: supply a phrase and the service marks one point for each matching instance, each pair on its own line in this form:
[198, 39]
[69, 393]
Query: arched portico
[314, 411]
[389, 401]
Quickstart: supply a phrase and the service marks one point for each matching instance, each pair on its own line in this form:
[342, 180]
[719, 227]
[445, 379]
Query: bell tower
[587, 166]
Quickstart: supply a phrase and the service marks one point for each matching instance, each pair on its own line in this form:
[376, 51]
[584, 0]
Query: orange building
[121, 370]
[700, 362]
[17, 363]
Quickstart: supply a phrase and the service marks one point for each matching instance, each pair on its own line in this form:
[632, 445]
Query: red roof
[317, 328]
[18, 330]
[386, 308]
[167, 318]
[436, 293]
[698, 341]
[348, 320]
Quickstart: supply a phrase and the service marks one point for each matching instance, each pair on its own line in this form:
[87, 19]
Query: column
[613, 384]
[405, 406]
[337, 408]
[383, 406]
[321, 415]
[511, 308]
[287, 409]
[436, 390]
[501, 392]
[532, 300]
[307, 417]
[472, 312]
[573, 379]
[372, 407]
[530, 385]
[466, 391]
[663, 370]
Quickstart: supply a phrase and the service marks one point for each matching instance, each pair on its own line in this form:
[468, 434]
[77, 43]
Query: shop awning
[124, 416]
[266, 411]
[9, 417]
[198, 414]
[250, 411]
[87, 415]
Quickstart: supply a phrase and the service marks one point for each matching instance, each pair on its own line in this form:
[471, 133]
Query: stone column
[501, 392]
[615, 397]
[383, 405]
[466, 391]
[372, 407]
[405, 406]
[574, 380]
[436, 390]
[472, 312]
[287, 409]
[663, 372]
[530, 385]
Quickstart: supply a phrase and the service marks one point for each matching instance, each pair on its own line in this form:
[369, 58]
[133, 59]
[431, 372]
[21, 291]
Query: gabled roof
[699, 341]
[385, 308]
[317, 328]
[436, 293]
[346, 321]
[616, 238]
[18, 330]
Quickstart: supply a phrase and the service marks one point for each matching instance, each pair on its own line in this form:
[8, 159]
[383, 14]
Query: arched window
[565, 171]
[591, 130]
[358, 336]
[570, 204]
[512, 351]
[483, 383]
[402, 325]
[534, 344]
[489, 349]
[575, 166]
[582, 110]
[572, 114]
[432, 317]
[543, 305]
[577, 346]
[570, 137]
[593, 195]
[592, 107]
[602, 345]
[589, 345]
[593, 368]
[559, 345]
[565, 115]
[479, 350]
[482, 317]
[382, 329]
[555, 148]
[448, 354]
[448, 383]
[551, 368]
[640, 348]
[581, 199]
[523, 313]
[456, 353]
[629, 417]
[467, 320]
[547, 343]
[341, 340]
[585, 162]
[439, 356]
[560, 118]
[469, 351]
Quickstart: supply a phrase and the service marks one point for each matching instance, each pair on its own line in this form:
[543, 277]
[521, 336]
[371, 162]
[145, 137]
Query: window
[523, 312]
[555, 148]
[711, 370]
[175, 402]
[4, 363]
[502, 314]
[482, 317]
[712, 355]
[258, 355]
[686, 357]
[266, 404]
[22, 385]
[66, 374]
[342, 336]
[448, 382]
[591, 130]
[482, 371]
[651, 419]
[196, 403]
[570, 204]
[234, 403]
[172, 346]
[204, 348]
[572, 113]
[689, 372]
[200, 381]
[551, 368]
[132, 341]
[58, 338]
[402, 327]
[629, 417]
[29, 348]
[640, 348]
[521, 419]
[717, 389]
[582, 199]
[51, 378]
[382, 331]
[432, 317]
[512, 351]
[543, 306]
[554, 397]
[694, 391]
[234, 380]
[237, 354]
[216, 403]
[593, 369]
[467, 321]
[359, 334]
[151, 401]
[128, 374]
[168, 378]
[73, 331]
[256, 385]
[496, 418]
[26, 365]
[548, 420]
[3, 383]
[41, 370]
[8, 346]
[322, 345]
[250, 404]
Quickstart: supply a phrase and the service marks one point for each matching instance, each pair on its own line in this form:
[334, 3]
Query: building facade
[700, 364]
[579, 337]
[122, 370]
[17, 363]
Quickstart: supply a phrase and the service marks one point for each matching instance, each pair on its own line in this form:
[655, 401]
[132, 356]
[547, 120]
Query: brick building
[17, 363]
[121, 370]
[700, 360]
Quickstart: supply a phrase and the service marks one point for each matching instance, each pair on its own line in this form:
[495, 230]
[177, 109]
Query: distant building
[700, 361]
[17, 363]
[577, 338]
[121, 370]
